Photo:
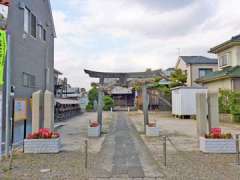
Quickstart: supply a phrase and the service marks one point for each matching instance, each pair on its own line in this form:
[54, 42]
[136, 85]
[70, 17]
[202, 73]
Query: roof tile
[198, 60]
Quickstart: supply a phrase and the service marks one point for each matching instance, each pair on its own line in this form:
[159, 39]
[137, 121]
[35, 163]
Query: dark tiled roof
[226, 45]
[227, 72]
[198, 60]
[236, 38]
[57, 72]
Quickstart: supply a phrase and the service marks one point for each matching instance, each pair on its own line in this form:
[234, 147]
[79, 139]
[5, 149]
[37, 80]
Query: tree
[92, 96]
[108, 103]
[148, 70]
[178, 78]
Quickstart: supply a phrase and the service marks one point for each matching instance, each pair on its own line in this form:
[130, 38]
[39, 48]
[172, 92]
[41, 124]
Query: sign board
[3, 52]
[20, 111]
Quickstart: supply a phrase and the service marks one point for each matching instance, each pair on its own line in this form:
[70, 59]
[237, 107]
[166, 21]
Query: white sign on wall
[3, 11]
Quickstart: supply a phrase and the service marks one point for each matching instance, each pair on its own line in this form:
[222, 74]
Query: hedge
[229, 102]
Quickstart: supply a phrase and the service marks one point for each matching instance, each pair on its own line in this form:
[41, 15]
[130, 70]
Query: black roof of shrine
[147, 74]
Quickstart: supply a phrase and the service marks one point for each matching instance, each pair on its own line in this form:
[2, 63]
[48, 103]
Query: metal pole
[165, 150]
[237, 149]
[8, 91]
[1, 128]
[12, 117]
[86, 154]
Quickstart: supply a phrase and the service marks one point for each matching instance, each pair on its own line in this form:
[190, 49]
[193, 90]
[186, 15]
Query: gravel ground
[184, 161]
[69, 164]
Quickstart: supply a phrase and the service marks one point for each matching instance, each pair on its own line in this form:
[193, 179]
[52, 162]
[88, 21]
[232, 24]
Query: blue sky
[132, 35]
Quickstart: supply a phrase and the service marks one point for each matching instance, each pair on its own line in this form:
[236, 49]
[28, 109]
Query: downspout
[191, 83]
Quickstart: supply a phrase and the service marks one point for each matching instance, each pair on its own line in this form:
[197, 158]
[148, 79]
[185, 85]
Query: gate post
[100, 106]
[37, 104]
[201, 113]
[213, 110]
[145, 106]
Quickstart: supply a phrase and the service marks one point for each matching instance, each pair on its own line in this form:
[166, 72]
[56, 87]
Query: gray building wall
[29, 54]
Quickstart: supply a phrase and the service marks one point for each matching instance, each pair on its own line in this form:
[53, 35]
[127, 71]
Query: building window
[28, 80]
[33, 25]
[26, 20]
[42, 33]
[204, 71]
[30, 23]
[224, 60]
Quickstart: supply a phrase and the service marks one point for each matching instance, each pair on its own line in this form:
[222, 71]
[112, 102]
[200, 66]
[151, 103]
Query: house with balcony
[228, 75]
[196, 67]
[32, 33]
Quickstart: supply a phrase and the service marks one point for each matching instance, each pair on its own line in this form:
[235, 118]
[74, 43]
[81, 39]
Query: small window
[28, 80]
[204, 71]
[224, 60]
[42, 33]
[33, 25]
[25, 80]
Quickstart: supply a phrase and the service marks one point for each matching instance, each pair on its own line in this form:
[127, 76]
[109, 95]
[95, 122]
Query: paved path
[124, 155]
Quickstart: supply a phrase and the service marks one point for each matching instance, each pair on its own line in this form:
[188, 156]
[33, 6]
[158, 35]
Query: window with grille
[28, 80]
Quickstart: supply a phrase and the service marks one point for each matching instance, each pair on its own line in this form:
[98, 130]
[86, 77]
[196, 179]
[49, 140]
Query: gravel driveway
[184, 161]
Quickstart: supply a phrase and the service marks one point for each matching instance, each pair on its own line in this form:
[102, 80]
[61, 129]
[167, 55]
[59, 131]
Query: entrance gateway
[117, 84]
[122, 79]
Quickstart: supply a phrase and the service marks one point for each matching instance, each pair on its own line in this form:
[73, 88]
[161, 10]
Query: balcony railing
[3, 23]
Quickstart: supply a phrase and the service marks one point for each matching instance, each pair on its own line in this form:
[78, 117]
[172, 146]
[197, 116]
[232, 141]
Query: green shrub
[224, 101]
[108, 103]
[89, 107]
[93, 94]
[236, 118]
[229, 102]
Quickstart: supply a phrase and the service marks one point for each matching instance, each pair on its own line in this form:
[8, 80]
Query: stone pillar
[201, 114]
[100, 105]
[49, 110]
[145, 106]
[213, 110]
[36, 110]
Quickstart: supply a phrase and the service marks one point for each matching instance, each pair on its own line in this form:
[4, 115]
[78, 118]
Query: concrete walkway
[123, 154]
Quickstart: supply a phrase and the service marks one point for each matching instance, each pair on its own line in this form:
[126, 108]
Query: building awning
[228, 72]
[66, 101]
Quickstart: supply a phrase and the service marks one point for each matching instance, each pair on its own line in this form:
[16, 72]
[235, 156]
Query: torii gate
[123, 76]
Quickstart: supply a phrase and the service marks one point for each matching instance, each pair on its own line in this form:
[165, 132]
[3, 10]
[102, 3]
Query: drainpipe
[8, 92]
[191, 75]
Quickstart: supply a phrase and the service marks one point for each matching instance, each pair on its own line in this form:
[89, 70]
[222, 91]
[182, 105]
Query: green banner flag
[3, 53]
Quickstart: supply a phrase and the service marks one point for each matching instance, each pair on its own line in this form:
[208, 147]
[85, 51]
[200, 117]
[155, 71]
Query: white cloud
[123, 35]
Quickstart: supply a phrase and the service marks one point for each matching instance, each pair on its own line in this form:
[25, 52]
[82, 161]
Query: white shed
[184, 100]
